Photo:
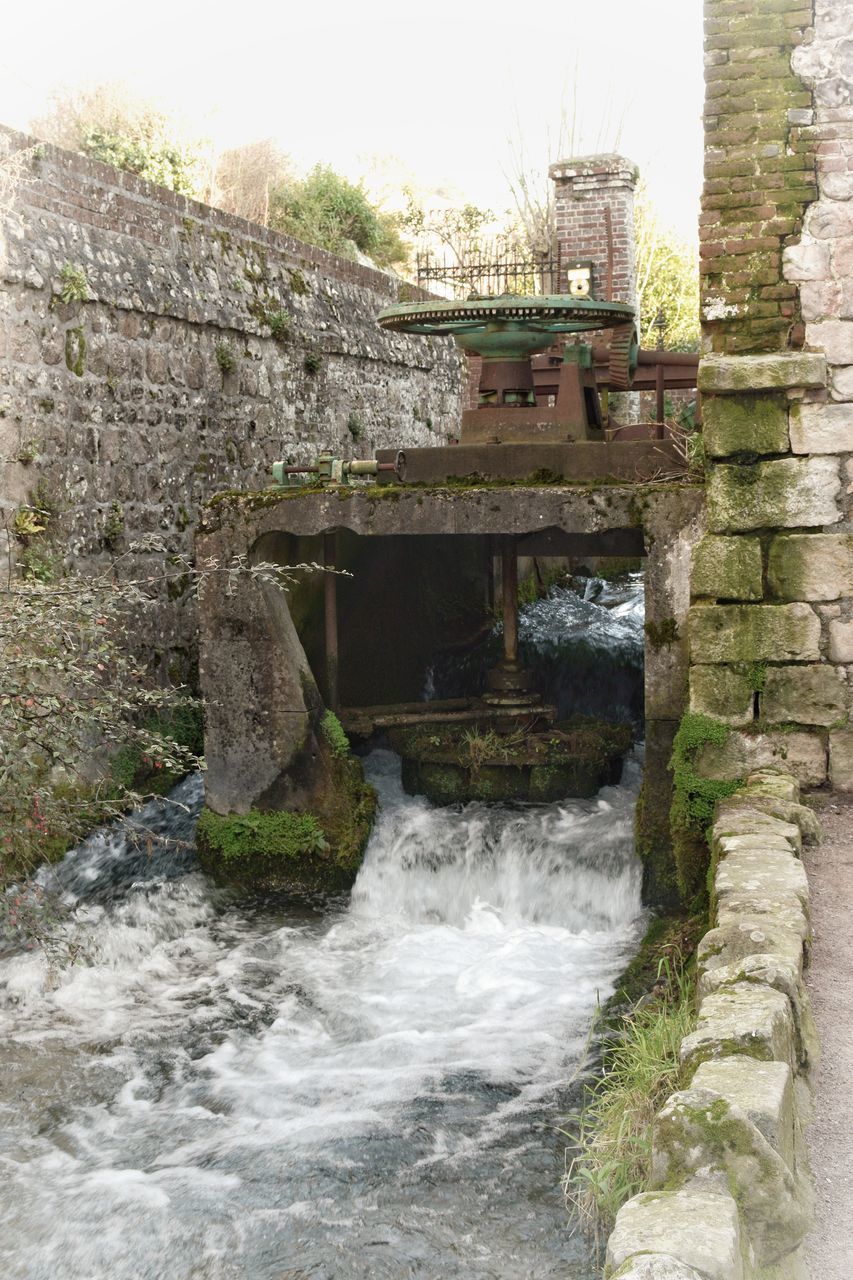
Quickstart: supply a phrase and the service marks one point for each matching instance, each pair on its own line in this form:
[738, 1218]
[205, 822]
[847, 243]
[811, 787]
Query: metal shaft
[331, 620]
[509, 586]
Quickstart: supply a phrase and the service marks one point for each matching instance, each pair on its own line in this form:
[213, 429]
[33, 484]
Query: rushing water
[583, 642]
[367, 1085]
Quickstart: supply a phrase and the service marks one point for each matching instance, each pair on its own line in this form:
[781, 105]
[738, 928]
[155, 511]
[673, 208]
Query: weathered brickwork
[772, 616]
[760, 145]
[202, 349]
[584, 189]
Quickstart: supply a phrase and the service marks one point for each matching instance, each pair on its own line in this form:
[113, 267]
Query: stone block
[811, 566]
[745, 424]
[784, 811]
[727, 569]
[841, 759]
[723, 693]
[763, 1091]
[820, 299]
[802, 754]
[842, 382]
[785, 493]
[753, 633]
[700, 1129]
[803, 695]
[834, 338]
[697, 1224]
[778, 371]
[770, 782]
[840, 641]
[743, 1018]
[736, 819]
[807, 260]
[655, 1266]
[822, 428]
[725, 947]
[786, 976]
[778, 838]
[762, 883]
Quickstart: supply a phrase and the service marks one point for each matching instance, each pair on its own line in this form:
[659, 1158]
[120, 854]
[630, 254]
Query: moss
[311, 362]
[225, 357]
[752, 424]
[277, 834]
[694, 799]
[661, 634]
[297, 282]
[75, 351]
[670, 940]
[756, 676]
[113, 527]
[333, 732]
[451, 763]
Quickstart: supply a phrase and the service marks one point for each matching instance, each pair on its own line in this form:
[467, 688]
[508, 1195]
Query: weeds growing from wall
[641, 1068]
[74, 287]
[693, 800]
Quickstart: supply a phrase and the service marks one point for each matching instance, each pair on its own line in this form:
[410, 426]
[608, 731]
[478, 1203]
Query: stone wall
[771, 629]
[730, 1196]
[200, 348]
[759, 172]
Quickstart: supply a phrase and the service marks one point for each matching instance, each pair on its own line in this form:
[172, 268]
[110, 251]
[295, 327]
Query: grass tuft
[641, 1069]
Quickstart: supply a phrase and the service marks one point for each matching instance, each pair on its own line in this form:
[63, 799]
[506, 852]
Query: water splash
[317, 1087]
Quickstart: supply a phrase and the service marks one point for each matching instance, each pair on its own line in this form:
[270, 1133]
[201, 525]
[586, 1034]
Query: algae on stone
[786, 493]
[727, 569]
[745, 424]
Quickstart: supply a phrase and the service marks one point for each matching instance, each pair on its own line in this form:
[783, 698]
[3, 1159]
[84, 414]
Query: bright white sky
[433, 93]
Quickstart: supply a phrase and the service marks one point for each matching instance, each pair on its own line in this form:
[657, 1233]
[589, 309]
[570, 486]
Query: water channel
[362, 1085]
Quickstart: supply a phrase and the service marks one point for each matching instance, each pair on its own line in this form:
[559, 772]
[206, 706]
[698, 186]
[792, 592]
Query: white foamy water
[345, 1087]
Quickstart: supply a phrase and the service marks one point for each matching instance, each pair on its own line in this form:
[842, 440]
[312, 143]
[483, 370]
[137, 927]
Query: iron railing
[490, 274]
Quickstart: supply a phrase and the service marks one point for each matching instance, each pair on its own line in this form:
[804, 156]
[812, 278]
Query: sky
[438, 94]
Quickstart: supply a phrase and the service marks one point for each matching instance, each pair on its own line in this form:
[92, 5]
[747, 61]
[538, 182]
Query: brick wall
[584, 188]
[759, 172]
[772, 620]
[205, 348]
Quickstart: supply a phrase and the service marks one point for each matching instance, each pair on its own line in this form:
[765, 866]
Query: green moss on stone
[694, 798]
[260, 835]
[333, 732]
[727, 569]
[75, 351]
[748, 424]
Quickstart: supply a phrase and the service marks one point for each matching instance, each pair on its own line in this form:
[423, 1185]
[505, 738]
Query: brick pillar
[584, 187]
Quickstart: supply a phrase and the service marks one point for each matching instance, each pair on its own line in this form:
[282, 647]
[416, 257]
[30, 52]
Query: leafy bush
[327, 210]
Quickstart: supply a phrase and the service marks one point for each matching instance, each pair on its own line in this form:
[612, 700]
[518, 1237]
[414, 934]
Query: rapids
[354, 1086]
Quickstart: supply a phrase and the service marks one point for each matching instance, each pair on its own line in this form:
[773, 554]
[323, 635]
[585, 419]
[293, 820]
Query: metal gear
[623, 357]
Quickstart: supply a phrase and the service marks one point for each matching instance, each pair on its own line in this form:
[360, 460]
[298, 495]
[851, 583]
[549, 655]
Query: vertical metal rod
[331, 620]
[509, 586]
[660, 390]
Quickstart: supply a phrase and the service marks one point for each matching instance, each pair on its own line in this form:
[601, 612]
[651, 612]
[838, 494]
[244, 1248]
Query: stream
[333, 1086]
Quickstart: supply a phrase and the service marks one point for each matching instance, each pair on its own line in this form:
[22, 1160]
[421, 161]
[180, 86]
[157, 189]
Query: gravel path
[830, 981]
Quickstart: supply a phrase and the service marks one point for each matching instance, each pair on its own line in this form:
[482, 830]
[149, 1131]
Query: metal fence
[489, 273]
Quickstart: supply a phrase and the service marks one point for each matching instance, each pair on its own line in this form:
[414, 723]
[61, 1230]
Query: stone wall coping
[330, 264]
[731, 1195]
[609, 165]
[729, 375]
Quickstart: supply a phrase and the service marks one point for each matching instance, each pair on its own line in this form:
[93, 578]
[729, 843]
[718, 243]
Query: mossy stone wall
[771, 620]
